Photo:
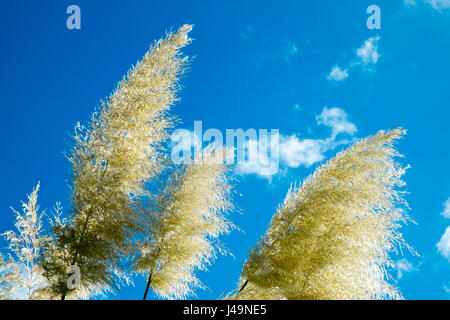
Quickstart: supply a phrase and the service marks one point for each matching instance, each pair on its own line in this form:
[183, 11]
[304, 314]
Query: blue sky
[311, 69]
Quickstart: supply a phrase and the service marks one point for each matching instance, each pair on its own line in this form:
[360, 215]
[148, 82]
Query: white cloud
[439, 4]
[410, 3]
[261, 171]
[291, 152]
[295, 152]
[443, 245]
[367, 56]
[403, 266]
[368, 52]
[337, 120]
[267, 157]
[446, 212]
[337, 74]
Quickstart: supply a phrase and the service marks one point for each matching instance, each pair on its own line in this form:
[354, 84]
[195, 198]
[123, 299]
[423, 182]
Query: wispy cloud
[337, 120]
[446, 212]
[297, 107]
[439, 4]
[276, 152]
[270, 50]
[294, 152]
[368, 52]
[337, 74]
[290, 50]
[447, 287]
[410, 3]
[279, 50]
[443, 245]
[403, 266]
[435, 4]
[366, 57]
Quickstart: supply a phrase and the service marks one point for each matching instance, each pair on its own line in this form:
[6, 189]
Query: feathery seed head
[184, 234]
[331, 237]
[20, 274]
[112, 160]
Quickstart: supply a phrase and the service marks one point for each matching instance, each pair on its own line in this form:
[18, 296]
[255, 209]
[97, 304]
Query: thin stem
[243, 286]
[148, 285]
